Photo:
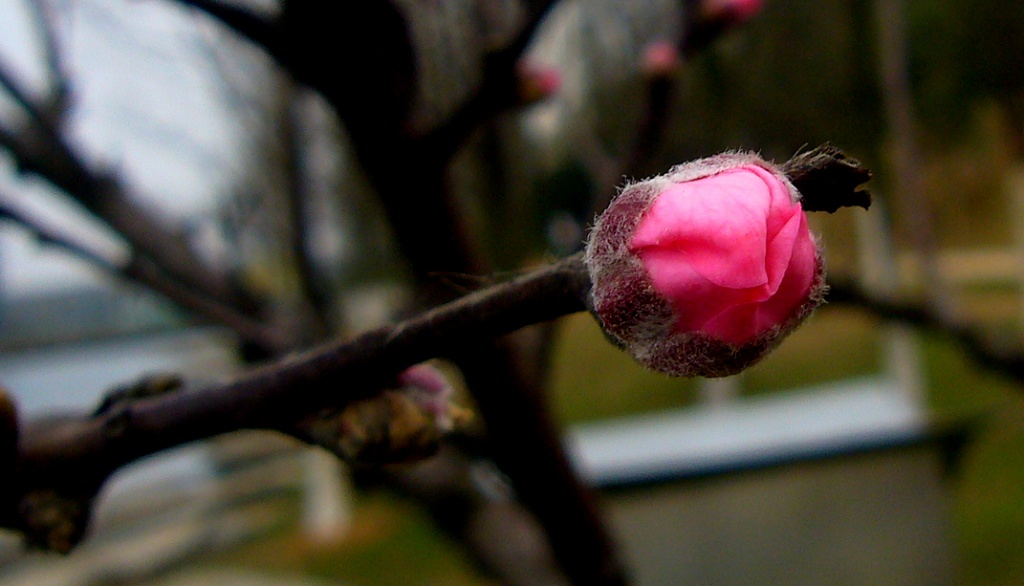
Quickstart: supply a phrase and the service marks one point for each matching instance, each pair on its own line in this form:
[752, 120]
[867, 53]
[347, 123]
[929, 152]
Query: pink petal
[782, 207]
[731, 252]
[719, 223]
[425, 377]
[660, 58]
[780, 249]
[744, 321]
[736, 11]
[796, 284]
[694, 299]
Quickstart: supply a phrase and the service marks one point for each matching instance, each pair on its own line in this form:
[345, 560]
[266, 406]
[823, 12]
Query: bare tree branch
[441, 226]
[142, 271]
[58, 97]
[28, 104]
[41, 150]
[432, 236]
[74, 456]
[982, 349]
[701, 28]
[299, 199]
[497, 92]
[65, 461]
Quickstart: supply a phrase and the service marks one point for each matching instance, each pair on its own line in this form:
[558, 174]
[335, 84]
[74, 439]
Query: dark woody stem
[276, 394]
[76, 455]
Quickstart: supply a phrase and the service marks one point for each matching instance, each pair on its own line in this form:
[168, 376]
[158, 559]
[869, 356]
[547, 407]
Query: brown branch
[431, 234]
[509, 400]
[60, 85]
[74, 456]
[39, 150]
[105, 195]
[18, 93]
[142, 271]
[497, 93]
[700, 29]
[440, 230]
[68, 459]
[982, 349]
[429, 225]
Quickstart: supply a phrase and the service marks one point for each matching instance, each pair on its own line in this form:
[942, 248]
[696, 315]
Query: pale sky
[146, 102]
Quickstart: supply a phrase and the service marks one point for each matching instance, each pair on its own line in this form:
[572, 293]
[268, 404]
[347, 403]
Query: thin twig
[298, 202]
[1006, 361]
[699, 31]
[142, 271]
[495, 94]
[16, 91]
[59, 81]
[108, 198]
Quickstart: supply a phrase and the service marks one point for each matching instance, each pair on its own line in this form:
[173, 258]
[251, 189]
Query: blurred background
[873, 447]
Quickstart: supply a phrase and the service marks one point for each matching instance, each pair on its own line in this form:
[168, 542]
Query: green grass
[988, 510]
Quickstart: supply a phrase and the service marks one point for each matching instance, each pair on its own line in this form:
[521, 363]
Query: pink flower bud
[426, 378]
[429, 389]
[704, 270]
[660, 59]
[732, 11]
[537, 82]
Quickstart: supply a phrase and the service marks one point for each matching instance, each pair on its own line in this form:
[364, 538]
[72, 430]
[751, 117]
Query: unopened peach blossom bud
[732, 11]
[660, 58]
[431, 391]
[537, 82]
[703, 270]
